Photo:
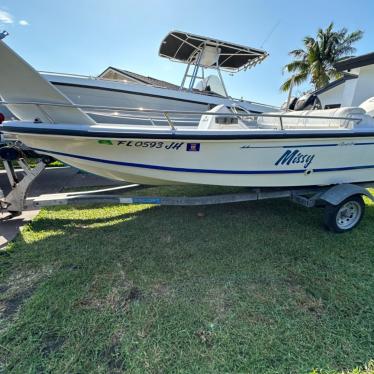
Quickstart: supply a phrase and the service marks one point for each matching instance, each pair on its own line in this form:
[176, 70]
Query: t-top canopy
[200, 50]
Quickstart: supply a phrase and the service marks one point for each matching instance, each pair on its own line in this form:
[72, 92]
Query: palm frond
[296, 65]
[319, 54]
[308, 41]
[353, 37]
[334, 74]
[298, 53]
[297, 80]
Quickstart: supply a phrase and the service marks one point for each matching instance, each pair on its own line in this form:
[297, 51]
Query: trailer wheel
[346, 215]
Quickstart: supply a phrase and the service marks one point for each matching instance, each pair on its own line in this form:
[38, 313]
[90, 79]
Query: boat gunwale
[51, 130]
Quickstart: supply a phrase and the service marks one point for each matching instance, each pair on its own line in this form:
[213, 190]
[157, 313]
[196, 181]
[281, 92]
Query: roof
[355, 62]
[335, 83]
[185, 47]
[142, 78]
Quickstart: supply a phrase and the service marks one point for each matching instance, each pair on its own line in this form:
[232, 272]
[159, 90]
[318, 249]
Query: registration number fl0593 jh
[150, 144]
[173, 146]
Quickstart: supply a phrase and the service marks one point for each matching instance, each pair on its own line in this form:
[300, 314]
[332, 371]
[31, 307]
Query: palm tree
[316, 60]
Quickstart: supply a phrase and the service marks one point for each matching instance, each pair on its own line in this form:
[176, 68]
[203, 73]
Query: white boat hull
[276, 162]
[101, 92]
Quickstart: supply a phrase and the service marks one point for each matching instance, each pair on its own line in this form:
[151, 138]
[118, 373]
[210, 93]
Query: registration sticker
[105, 141]
[193, 147]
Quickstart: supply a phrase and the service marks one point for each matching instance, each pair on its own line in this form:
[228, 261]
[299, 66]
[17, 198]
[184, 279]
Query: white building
[356, 85]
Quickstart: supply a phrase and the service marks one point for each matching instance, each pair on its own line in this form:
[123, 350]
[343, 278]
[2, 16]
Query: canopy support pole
[223, 83]
[185, 76]
[195, 70]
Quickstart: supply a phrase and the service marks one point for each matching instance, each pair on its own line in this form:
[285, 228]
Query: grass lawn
[32, 163]
[252, 288]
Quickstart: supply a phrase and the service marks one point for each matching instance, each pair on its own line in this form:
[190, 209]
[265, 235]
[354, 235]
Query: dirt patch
[257, 318]
[71, 267]
[161, 290]
[117, 299]
[307, 302]
[20, 287]
[260, 291]
[121, 299]
[134, 294]
[218, 300]
[11, 306]
[303, 298]
[205, 337]
[22, 280]
[312, 305]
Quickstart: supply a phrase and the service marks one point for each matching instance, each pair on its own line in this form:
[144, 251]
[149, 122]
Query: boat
[262, 156]
[306, 148]
[197, 92]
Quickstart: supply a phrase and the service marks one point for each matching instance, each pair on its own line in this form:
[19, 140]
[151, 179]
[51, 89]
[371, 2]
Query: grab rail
[166, 114]
[169, 112]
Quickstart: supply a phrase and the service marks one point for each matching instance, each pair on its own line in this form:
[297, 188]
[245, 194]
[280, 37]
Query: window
[332, 106]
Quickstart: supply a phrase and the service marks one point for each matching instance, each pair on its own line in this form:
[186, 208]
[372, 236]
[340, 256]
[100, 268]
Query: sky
[87, 36]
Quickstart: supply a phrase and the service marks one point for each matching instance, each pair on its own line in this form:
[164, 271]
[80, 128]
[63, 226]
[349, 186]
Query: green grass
[32, 163]
[251, 288]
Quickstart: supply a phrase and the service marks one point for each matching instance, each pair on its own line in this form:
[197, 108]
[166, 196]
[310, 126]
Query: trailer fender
[336, 194]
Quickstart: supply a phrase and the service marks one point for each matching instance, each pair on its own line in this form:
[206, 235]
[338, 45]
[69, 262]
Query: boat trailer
[343, 203]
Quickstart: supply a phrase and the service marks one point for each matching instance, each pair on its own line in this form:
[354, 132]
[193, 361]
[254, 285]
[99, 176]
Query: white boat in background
[197, 92]
[103, 92]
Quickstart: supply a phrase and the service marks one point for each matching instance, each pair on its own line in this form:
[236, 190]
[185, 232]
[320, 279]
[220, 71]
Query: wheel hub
[348, 215]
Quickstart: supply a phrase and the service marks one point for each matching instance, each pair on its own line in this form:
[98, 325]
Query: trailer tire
[346, 215]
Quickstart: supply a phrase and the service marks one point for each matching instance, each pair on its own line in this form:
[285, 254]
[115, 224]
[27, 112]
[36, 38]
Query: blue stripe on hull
[302, 145]
[208, 171]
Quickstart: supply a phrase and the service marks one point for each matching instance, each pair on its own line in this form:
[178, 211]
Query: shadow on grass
[256, 287]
